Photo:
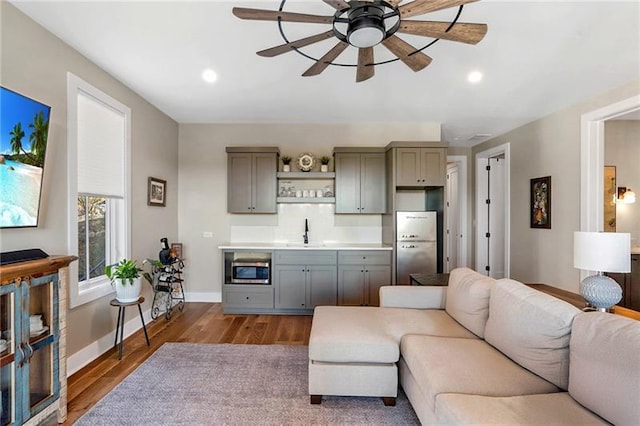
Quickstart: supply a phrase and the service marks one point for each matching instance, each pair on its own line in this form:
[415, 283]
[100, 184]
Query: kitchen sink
[302, 245]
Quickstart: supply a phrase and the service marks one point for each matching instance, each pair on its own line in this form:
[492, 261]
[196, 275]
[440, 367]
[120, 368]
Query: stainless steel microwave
[250, 271]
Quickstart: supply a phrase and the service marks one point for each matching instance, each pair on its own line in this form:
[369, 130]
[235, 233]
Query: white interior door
[496, 207]
[453, 235]
[492, 212]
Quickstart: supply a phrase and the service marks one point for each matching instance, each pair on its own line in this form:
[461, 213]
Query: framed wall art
[541, 202]
[176, 248]
[609, 198]
[156, 192]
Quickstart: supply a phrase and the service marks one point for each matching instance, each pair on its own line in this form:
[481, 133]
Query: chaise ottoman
[351, 355]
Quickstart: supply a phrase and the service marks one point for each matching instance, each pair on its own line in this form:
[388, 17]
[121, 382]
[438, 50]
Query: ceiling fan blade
[419, 7]
[273, 15]
[337, 4]
[402, 49]
[322, 63]
[288, 47]
[365, 68]
[462, 32]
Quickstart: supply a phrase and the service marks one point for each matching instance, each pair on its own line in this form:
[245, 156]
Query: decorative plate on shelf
[306, 161]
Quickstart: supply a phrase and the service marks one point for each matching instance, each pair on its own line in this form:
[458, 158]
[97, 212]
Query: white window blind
[101, 148]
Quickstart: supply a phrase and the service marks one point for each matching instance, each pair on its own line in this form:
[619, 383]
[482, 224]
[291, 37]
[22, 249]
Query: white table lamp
[601, 252]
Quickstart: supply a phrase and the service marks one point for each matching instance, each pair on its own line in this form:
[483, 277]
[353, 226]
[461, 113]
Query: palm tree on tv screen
[38, 137]
[16, 138]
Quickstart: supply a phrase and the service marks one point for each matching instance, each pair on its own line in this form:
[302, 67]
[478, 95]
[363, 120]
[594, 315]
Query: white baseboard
[209, 297]
[90, 352]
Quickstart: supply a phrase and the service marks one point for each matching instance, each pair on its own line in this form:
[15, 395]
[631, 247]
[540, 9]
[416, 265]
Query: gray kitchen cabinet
[420, 167]
[251, 180]
[360, 181]
[305, 279]
[360, 276]
[238, 298]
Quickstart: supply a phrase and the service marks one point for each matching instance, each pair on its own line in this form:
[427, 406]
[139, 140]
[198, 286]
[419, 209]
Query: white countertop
[300, 246]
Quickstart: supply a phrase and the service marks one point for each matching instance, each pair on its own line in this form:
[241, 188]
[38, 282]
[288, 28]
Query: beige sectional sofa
[480, 351]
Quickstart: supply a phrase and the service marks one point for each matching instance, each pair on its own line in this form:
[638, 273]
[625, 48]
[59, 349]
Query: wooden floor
[198, 323]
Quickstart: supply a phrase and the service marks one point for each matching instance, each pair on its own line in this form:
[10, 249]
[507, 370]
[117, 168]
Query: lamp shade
[602, 251]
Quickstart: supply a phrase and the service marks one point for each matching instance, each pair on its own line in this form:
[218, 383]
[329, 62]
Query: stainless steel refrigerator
[416, 244]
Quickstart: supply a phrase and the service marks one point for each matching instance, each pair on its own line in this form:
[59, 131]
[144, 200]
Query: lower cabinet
[305, 286]
[360, 276]
[305, 279]
[630, 284]
[247, 297]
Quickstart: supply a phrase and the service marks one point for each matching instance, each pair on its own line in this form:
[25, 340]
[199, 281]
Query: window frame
[118, 232]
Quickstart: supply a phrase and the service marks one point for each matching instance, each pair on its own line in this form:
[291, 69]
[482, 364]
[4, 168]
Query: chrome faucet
[306, 232]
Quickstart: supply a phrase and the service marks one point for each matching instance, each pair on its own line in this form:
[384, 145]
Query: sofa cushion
[468, 299]
[532, 328]
[545, 409]
[373, 334]
[605, 366]
[454, 365]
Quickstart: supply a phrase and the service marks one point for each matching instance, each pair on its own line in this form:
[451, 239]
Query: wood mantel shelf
[579, 302]
[50, 264]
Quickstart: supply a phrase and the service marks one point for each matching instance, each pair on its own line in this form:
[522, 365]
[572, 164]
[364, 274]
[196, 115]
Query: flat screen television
[24, 128]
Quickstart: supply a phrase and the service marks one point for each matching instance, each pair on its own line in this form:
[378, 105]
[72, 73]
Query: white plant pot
[324, 167]
[286, 168]
[125, 292]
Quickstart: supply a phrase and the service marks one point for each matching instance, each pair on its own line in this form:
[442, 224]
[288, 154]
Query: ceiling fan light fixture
[366, 26]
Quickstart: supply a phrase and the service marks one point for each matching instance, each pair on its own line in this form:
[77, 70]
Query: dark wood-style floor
[198, 323]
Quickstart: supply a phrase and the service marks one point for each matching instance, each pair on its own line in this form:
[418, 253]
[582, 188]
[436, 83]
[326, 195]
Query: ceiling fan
[364, 24]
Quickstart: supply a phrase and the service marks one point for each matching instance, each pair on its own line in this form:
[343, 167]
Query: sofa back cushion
[604, 372]
[532, 328]
[468, 299]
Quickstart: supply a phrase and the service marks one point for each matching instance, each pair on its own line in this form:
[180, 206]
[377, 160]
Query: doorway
[456, 235]
[493, 212]
[592, 163]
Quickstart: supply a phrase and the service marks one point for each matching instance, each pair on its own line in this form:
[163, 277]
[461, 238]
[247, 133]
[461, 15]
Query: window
[98, 162]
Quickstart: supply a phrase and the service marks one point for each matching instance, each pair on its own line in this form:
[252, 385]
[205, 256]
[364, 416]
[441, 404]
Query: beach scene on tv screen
[24, 125]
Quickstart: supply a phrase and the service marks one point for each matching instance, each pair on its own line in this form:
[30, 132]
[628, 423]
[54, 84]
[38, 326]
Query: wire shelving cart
[166, 282]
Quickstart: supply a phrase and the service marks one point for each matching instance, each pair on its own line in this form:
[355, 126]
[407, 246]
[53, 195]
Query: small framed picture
[156, 192]
[176, 248]
[541, 202]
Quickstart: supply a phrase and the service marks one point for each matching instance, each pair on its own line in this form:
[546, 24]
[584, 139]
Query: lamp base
[590, 308]
[601, 292]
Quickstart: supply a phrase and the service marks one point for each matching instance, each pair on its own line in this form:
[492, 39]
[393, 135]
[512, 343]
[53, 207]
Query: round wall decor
[306, 161]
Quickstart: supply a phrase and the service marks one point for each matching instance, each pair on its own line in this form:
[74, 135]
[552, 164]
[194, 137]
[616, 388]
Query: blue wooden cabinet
[30, 379]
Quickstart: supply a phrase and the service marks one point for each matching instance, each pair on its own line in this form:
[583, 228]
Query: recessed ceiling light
[209, 75]
[474, 76]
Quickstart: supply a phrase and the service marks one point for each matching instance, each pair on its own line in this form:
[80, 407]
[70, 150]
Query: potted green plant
[286, 161]
[125, 277]
[324, 163]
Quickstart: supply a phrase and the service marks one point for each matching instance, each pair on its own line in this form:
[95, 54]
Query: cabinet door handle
[31, 351]
[23, 357]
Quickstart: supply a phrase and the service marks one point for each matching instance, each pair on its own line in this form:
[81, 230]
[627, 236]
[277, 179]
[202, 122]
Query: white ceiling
[537, 57]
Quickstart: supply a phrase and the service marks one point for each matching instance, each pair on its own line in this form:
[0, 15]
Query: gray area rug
[210, 384]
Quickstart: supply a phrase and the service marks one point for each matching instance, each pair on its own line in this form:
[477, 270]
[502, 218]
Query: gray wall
[203, 180]
[549, 146]
[35, 63]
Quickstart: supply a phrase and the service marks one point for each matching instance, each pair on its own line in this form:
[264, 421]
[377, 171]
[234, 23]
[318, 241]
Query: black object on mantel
[21, 256]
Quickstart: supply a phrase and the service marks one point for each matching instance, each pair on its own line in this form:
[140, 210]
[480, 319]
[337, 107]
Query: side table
[429, 279]
[120, 326]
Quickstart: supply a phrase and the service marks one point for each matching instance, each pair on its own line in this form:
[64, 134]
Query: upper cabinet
[251, 179]
[420, 167]
[360, 180]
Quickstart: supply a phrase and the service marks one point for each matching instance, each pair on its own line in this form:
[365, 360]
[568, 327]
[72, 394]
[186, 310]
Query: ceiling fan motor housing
[366, 24]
